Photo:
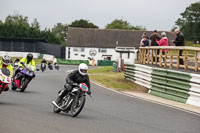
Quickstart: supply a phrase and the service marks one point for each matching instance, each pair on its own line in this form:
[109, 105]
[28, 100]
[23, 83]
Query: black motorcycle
[73, 102]
[56, 66]
[50, 66]
[43, 67]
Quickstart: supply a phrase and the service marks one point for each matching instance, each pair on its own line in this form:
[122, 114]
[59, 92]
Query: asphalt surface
[105, 112]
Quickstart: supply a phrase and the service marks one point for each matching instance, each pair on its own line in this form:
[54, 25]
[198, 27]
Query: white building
[100, 44]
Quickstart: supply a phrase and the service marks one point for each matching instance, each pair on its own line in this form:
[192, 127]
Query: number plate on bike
[83, 87]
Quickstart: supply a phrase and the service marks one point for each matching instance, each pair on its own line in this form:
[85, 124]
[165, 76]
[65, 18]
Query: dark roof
[101, 38]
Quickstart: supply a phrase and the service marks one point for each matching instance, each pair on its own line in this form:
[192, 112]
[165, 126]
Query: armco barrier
[71, 62]
[179, 86]
[24, 54]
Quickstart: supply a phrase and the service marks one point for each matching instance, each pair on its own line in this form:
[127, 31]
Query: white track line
[152, 101]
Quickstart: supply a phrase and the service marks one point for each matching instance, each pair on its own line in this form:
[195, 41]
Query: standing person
[153, 42]
[145, 41]
[163, 41]
[179, 41]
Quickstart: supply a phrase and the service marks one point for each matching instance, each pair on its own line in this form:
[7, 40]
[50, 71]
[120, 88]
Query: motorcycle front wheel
[24, 84]
[77, 106]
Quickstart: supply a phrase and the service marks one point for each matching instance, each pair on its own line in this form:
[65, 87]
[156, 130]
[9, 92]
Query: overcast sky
[153, 14]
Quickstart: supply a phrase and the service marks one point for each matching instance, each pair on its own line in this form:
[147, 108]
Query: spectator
[179, 41]
[163, 41]
[153, 38]
[153, 42]
[145, 41]
[142, 42]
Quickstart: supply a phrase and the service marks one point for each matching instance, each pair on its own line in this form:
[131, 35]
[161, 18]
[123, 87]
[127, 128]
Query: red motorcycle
[5, 79]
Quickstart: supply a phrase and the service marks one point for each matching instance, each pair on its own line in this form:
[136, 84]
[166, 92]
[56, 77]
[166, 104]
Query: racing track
[105, 112]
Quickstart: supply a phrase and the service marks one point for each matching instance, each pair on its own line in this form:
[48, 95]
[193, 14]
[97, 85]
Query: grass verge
[115, 80]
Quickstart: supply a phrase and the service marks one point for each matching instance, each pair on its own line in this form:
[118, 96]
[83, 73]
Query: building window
[79, 49]
[75, 49]
[102, 50]
[82, 49]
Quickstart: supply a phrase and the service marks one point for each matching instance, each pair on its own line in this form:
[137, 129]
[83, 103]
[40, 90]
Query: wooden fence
[170, 57]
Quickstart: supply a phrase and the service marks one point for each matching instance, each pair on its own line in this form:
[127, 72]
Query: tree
[121, 24]
[189, 23]
[82, 24]
[17, 26]
[60, 30]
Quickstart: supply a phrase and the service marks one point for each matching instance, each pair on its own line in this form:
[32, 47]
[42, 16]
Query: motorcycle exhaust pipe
[55, 104]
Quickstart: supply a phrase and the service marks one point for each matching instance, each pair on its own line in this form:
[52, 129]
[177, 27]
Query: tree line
[17, 26]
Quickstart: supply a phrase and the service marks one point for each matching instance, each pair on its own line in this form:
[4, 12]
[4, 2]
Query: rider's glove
[70, 82]
[89, 92]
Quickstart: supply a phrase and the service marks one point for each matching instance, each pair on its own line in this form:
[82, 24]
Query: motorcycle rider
[56, 65]
[50, 66]
[16, 62]
[26, 60]
[76, 76]
[5, 63]
[43, 61]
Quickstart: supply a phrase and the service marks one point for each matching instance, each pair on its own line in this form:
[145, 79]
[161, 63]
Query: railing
[171, 56]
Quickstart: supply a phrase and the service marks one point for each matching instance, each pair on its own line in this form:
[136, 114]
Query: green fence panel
[170, 90]
[178, 75]
[115, 67]
[159, 80]
[178, 84]
[167, 96]
[71, 62]
[104, 63]
[155, 88]
[41, 56]
[182, 85]
[159, 72]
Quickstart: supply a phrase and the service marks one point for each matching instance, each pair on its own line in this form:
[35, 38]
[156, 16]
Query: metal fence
[33, 46]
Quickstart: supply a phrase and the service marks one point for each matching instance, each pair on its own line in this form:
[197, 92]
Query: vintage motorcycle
[5, 79]
[73, 102]
[23, 78]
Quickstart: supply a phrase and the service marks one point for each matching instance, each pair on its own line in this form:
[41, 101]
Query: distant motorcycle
[73, 102]
[5, 78]
[15, 64]
[22, 79]
[56, 66]
[43, 67]
[50, 66]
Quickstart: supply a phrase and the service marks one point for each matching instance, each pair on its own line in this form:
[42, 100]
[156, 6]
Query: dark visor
[84, 70]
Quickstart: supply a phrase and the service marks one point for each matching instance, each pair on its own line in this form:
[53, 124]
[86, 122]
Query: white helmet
[83, 68]
[6, 59]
